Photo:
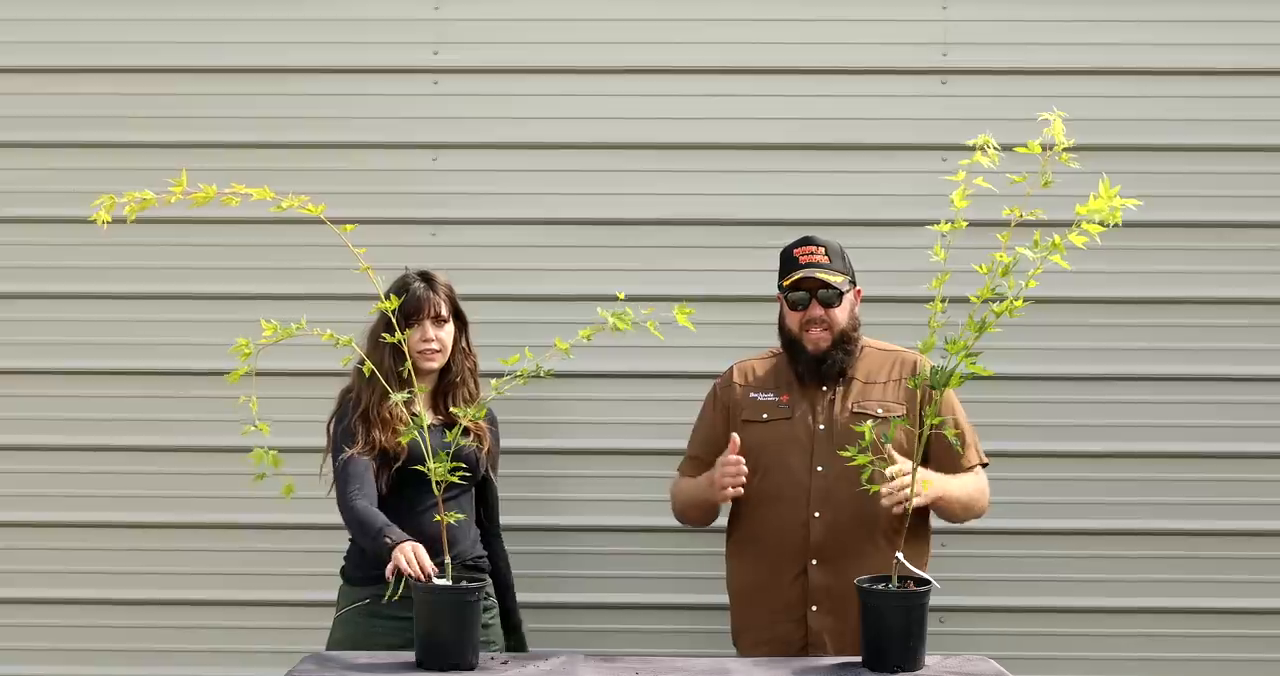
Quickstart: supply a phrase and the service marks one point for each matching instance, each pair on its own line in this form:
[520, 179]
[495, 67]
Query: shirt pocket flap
[878, 408]
[765, 411]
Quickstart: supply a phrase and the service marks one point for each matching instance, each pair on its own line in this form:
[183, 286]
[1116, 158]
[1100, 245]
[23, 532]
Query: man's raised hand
[729, 474]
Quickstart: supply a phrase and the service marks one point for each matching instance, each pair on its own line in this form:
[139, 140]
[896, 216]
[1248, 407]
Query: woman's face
[430, 343]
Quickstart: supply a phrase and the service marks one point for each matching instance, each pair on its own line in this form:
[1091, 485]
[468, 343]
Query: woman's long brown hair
[376, 421]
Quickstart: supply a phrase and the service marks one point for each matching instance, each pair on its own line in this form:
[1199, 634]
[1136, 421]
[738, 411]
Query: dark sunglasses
[799, 300]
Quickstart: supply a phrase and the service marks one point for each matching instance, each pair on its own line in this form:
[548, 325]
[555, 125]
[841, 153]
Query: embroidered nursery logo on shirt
[783, 401]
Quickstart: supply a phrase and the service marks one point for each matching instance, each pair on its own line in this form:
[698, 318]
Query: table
[574, 664]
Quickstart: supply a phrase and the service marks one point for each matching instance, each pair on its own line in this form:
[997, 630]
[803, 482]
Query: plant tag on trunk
[917, 571]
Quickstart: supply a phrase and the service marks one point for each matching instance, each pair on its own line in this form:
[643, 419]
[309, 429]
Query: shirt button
[764, 415]
[879, 410]
[813, 561]
[824, 388]
[815, 515]
[813, 607]
[822, 427]
[819, 468]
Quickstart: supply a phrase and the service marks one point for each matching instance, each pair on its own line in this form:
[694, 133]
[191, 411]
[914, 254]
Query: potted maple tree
[447, 609]
[895, 606]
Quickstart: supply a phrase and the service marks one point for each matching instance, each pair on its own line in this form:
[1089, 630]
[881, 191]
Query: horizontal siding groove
[1135, 478]
[648, 601]
[1082, 147]
[641, 373]
[1128, 632]
[751, 347]
[707, 577]
[1266, 297]
[1135, 656]
[653, 447]
[319, 420]
[115, 647]
[558, 316]
[152, 624]
[284, 664]
[284, 521]
[514, 69]
[138, 671]
[633, 500]
[709, 629]
[218, 390]
[267, 220]
[701, 629]
[337, 548]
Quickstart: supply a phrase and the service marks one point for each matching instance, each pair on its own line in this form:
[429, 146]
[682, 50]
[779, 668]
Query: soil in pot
[895, 622]
[446, 624]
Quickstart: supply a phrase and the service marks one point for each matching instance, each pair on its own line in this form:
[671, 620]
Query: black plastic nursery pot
[895, 622]
[446, 624]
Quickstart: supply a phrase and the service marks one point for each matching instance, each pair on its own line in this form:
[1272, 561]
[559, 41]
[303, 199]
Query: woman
[388, 506]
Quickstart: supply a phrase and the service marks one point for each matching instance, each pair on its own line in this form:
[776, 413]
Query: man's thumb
[734, 444]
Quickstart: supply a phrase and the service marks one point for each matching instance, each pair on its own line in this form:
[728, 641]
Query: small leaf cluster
[440, 466]
[1006, 275]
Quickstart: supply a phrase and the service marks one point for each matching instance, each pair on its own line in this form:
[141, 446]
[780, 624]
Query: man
[800, 527]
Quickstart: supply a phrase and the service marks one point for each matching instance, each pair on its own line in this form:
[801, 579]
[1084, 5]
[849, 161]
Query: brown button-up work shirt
[804, 529]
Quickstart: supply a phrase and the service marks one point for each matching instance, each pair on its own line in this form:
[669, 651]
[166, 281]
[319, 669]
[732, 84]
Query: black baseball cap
[815, 257]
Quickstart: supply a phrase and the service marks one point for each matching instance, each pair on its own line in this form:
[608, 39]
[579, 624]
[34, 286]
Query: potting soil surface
[572, 664]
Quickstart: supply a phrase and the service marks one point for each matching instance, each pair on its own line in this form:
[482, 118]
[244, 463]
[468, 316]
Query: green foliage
[1007, 274]
[521, 368]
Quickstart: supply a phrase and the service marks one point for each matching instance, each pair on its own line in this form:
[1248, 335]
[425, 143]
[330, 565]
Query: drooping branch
[1007, 274]
[439, 466]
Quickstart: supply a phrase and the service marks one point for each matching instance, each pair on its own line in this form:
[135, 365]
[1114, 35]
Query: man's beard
[830, 365]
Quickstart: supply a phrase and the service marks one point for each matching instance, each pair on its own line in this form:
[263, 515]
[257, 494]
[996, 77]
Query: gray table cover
[572, 664]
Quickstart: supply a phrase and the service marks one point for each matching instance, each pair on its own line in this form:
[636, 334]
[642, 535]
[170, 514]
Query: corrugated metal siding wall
[1133, 425]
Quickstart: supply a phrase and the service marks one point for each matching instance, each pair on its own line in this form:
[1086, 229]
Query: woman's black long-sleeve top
[378, 523]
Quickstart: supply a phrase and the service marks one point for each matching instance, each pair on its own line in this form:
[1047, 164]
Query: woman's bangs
[421, 304]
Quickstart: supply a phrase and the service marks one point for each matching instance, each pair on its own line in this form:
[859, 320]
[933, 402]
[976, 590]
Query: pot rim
[923, 584]
[461, 582]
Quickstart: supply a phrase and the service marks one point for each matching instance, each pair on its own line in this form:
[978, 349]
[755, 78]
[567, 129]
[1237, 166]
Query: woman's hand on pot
[411, 558]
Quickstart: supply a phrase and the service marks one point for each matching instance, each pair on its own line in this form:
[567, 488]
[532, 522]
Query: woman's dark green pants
[362, 621]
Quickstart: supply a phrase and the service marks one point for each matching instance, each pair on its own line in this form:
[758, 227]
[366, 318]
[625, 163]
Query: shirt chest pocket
[878, 417]
[764, 425]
